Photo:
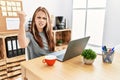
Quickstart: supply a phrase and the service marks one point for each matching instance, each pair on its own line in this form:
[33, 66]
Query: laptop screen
[75, 47]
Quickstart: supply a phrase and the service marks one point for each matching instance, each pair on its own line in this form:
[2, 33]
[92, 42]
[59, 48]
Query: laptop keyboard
[60, 56]
[58, 53]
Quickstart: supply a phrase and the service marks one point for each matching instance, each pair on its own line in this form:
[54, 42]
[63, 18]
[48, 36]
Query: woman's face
[40, 20]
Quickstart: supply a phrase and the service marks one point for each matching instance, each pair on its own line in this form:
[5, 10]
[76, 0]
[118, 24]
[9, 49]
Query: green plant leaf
[89, 54]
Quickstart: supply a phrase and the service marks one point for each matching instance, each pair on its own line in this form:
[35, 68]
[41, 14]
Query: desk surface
[73, 69]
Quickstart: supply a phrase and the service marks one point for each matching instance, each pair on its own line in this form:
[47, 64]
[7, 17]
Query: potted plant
[59, 42]
[88, 56]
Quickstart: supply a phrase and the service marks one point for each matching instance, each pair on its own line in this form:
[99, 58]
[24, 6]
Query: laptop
[75, 48]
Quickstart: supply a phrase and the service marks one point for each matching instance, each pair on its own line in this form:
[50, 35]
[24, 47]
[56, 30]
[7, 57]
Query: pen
[104, 48]
[111, 50]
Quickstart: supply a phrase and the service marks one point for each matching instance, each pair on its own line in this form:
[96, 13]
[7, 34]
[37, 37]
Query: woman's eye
[44, 18]
[39, 17]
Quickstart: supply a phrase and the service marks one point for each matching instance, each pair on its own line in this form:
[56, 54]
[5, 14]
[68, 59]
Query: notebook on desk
[75, 48]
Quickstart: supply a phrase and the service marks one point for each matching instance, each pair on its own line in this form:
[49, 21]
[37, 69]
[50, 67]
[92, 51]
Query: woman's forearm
[22, 39]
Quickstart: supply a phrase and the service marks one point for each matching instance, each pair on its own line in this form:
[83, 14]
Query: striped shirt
[33, 49]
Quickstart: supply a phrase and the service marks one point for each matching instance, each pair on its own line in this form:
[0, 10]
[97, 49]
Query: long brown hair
[47, 30]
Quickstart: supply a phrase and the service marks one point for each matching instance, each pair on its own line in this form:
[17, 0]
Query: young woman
[39, 40]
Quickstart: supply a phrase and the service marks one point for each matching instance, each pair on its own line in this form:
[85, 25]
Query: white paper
[4, 13]
[8, 3]
[12, 23]
[14, 9]
[18, 3]
[14, 45]
[14, 14]
[13, 4]
[9, 9]
[3, 3]
[10, 14]
[18, 8]
[9, 45]
[3, 8]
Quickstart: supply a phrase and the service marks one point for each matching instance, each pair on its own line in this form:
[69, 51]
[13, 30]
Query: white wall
[55, 7]
[112, 24]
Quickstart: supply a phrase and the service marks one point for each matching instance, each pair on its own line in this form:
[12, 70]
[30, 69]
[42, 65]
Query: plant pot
[88, 61]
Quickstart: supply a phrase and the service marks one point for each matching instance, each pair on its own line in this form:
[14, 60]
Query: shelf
[64, 35]
[15, 59]
[14, 73]
[9, 67]
[2, 68]
[2, 62]
[3, 77]
[60, 30]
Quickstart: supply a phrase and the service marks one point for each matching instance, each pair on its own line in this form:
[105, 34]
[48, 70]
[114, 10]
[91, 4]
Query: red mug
[49, 60]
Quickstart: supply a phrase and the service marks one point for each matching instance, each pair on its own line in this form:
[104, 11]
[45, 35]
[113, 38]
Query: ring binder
[12, 47]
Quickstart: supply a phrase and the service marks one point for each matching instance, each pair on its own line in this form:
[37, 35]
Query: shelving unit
[3, 69]
[9, 67]
[64, 35]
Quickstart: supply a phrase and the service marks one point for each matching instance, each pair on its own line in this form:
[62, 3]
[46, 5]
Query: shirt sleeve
[28, 35]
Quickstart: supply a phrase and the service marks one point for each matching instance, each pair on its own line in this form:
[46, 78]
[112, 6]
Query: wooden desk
[73, 69]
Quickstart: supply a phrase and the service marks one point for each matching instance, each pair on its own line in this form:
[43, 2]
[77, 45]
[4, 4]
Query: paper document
[12, 23]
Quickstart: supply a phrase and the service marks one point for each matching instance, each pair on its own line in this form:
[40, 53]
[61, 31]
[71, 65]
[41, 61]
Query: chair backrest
[26, 54]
